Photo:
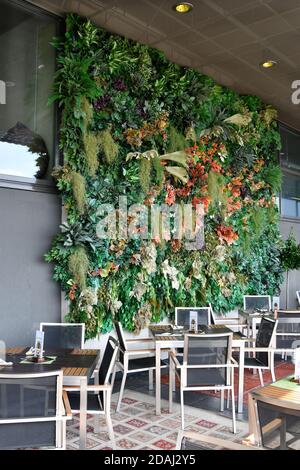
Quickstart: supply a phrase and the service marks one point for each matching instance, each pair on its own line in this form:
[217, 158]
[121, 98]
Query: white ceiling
[226, 39]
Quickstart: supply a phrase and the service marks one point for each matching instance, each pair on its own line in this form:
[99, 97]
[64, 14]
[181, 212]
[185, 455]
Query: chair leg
[233, 411]
[272, 368]
[261, 377]
[150, 379]
[182, 409]
[113, 378]
[121, 390]
[64, 435]
[109, 422]
[228, 399]
[222, 400]
[171, 385]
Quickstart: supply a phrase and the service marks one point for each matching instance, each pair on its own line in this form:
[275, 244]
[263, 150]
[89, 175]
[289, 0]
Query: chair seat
[250, 362]
[143, 363]
[92, 401]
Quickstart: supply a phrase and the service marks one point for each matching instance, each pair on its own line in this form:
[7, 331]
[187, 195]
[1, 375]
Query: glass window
[290, 164]
[26, 75]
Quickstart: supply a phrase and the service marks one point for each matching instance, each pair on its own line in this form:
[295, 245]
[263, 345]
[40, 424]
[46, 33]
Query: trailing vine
[136, 125]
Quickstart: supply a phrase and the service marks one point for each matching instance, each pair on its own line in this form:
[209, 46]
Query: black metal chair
[132, 361]
[33, 411]
[279, 427]
[99, 396]
[207, 365]
[63, 335]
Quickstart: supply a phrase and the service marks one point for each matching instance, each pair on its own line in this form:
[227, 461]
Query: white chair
[298, 296]
[131, 361]
[230, 322]
[63, 335]
[33, 411]
[207, 365]
[190, 440]
[99, 398]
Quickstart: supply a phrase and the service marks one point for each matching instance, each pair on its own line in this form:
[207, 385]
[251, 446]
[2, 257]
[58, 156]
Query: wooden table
[77, 365]
[173, 342]
[277, 394]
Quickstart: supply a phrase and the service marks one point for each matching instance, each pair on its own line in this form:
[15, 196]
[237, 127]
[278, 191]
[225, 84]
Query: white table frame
[179, 343]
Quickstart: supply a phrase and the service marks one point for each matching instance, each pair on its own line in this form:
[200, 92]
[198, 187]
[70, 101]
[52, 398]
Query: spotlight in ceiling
[267, 64]
[183, 7]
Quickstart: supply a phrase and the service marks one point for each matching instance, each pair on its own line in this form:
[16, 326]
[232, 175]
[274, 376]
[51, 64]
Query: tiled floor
[137, 427]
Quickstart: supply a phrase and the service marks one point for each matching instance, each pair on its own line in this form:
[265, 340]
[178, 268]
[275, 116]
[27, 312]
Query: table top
[73, 362]
[283, 392]
[167, 333]
[253, 314]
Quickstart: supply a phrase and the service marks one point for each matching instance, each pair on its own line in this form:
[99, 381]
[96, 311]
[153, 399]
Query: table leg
[83, 413]
[253, 431]
[157, 379]
[241, 377]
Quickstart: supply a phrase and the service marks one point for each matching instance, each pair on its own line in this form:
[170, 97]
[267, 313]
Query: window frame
[32, 184]
[287, 172]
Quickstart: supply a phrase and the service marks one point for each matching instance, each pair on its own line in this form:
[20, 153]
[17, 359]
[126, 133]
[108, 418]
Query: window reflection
[27, 69]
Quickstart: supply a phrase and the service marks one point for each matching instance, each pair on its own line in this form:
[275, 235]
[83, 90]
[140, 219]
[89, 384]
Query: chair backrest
[298, 296]
[211, 350]
[121, 340]
[212, 315]
[63, 335]
[30, 408]
[182, 316]
[108, 361]
[278, 426]
[288, 329]
[265, 337]
[257, 302]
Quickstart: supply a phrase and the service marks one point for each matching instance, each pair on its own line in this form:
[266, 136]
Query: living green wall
[119, 97]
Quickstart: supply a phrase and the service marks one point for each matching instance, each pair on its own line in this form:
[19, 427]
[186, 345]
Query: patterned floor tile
[137, 423]
[206, 424]
[129, 401]
[142, 436]
[121, 429]
[165, 445]
[90, 443]
[145, 406]
[126, 444]
[151, 417]
[158, 430]
[170, 423]
[132, 411]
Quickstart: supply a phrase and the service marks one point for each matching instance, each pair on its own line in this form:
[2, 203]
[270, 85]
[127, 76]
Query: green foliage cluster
[290, 254]
[118, 98]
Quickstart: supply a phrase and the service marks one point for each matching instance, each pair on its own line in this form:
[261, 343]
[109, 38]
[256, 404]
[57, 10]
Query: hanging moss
[145, 174]
[108, 146]
[177, 141]
[258, 221]
[87, 110]
[79, 266]
[272, 175]
[159, 171]
[215, 188]
[79, 191]
[91, 146]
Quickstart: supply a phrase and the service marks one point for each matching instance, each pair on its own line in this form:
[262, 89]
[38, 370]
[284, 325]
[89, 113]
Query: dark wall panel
[28, 295]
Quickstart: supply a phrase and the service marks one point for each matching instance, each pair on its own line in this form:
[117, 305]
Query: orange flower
[205, 200]
[171, 195]
[227, 234]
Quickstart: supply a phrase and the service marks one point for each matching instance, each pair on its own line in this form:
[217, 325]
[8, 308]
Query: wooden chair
[207, 365]
[33, 411]
[99, 396]
[132, 361]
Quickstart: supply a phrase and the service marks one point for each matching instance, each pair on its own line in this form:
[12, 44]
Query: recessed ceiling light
[267, 64]
[183, 7]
